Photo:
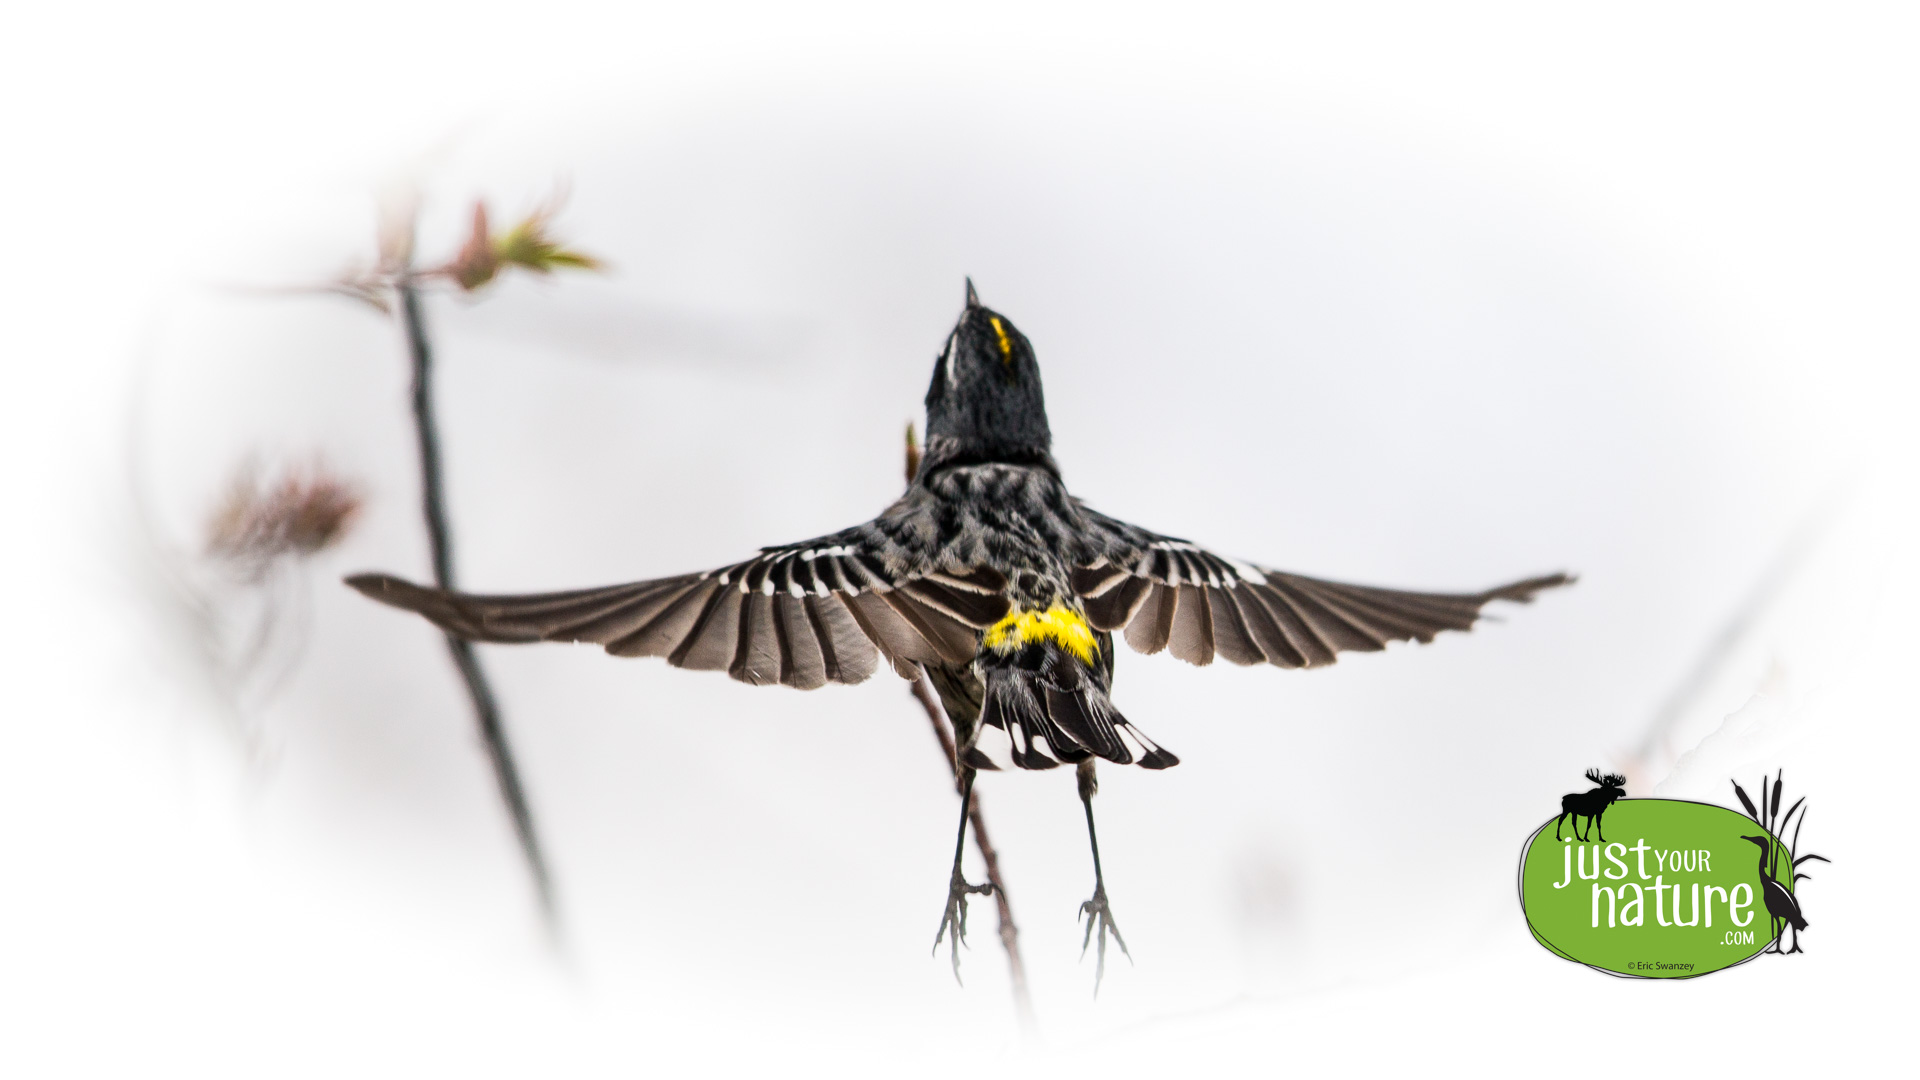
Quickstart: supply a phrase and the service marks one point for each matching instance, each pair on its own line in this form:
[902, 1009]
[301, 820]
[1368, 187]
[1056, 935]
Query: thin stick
[1009, 933]
[1655, 749]
[486, 709]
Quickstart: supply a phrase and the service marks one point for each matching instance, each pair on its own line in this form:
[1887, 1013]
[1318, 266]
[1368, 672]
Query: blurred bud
[913, 454]
[301, 513]
[477, 262]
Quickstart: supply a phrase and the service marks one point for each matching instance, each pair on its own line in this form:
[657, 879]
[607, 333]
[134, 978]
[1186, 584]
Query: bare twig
[392, 285]
[1009, 932]
[1655, 751]
[486, 708]
[942, 730]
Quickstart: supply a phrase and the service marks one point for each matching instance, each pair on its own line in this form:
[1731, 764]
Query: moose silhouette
[1591, 804]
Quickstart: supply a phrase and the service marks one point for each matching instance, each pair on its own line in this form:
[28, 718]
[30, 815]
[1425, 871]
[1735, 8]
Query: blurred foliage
[529, 245]
[299, 513]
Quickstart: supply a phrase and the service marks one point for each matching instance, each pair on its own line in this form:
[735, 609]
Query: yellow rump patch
[1062, 626]
[1006, 343]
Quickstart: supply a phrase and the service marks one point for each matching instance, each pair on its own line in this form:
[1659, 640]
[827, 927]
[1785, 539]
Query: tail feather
[1012, 706]
[1085, 715]
[1152, 756]
[1060, 713]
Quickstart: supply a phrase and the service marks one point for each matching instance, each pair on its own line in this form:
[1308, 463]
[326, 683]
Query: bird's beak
[973, 298]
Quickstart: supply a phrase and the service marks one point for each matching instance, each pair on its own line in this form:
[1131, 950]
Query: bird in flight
[1005, 589]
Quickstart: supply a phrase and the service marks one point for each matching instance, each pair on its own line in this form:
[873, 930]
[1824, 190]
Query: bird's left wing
[802, 615]
[1167, 593]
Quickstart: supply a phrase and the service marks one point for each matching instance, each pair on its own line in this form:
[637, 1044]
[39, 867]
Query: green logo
[1681, 888]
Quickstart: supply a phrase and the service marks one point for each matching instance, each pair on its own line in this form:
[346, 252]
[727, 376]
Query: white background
[1396, 295]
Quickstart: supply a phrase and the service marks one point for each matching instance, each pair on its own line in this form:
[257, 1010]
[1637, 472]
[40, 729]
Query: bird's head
[985, 402]
[1762, 841]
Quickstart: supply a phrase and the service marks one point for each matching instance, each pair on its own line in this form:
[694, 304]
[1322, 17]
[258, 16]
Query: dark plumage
[988, 574]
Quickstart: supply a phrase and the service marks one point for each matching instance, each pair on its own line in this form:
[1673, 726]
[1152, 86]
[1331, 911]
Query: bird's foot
[1098, 916]
[953, 925]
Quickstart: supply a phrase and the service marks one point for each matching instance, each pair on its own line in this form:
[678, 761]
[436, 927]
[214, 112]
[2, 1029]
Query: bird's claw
[953, 925]
[1098, 916]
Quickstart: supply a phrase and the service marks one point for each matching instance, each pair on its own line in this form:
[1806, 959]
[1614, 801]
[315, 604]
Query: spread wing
[1171, 594]
[802, 615]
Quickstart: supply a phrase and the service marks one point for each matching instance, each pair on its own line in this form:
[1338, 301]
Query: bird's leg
[953, 925]
[1096, 912]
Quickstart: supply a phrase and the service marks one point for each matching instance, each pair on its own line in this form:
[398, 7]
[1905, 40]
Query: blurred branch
[486, 708]
[393, 282]
[1655, 749]
[393, 285]
[942, 730]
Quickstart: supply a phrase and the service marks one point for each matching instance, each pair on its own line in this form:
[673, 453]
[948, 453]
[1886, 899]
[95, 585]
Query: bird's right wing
[802, 615]
[1167, 593]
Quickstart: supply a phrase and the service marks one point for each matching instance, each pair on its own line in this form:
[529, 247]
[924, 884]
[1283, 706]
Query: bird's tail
[1056, 711]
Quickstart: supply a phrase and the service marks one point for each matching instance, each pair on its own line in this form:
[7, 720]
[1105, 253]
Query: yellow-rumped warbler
[992, 578]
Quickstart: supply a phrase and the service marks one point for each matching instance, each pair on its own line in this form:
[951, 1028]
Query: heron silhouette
[1781, 905]
[1781, 902]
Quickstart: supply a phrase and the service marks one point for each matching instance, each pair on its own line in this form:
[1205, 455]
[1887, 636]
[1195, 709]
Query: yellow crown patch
[1006, 343]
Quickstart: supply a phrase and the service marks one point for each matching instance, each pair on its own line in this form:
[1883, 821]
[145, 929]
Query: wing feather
[1340, 633]
[804, 664]
[634, 616]
[1389, 623]
[849, 654]
[1152, 625]
[1116, 606]
[802, 615]
[1281, 647]
[714, 638]
[975, 609]
[757, 656]
[953, 642]
[1166, 593]
[1191, 638]
[1232, 636]
[1091, 582]
[895, 637]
